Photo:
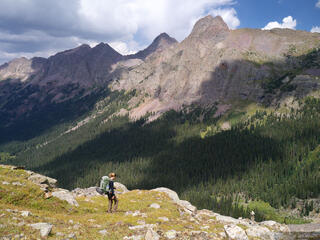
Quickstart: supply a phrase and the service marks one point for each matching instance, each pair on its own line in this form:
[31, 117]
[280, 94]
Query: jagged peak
[209, 25]
[164, 36]
[161, 42]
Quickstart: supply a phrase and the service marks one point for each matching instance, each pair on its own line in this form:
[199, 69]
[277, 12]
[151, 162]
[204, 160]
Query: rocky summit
[213, 64]
[216, 64]
[32, 207]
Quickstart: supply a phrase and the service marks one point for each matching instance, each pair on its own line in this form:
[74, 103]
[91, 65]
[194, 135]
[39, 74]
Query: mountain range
[233, 111]
[213, 64]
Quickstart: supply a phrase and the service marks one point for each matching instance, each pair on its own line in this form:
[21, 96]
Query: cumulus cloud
[287, 22]
[318, 4]
[229, 15]
[315, 29]
[35, 26]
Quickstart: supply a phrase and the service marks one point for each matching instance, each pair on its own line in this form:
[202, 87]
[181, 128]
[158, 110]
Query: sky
[31, 28]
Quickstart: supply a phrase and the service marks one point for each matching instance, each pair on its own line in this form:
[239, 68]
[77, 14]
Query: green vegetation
[90, 217]
[266, 156]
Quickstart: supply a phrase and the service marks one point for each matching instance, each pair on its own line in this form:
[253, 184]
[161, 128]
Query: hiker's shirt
[111, 187]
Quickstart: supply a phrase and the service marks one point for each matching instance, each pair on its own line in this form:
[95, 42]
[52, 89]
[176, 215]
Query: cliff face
[37, 84]
[31, 206]
[215, 64]
[212, 65]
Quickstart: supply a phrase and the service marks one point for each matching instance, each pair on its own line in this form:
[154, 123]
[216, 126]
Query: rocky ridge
[213, 65]
[151, 215]
[216, 64]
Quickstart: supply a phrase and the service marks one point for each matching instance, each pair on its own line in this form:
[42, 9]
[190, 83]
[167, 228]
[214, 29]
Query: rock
[139, 227]
[234, 232]
[40, 179]
[276, 226]
[47, 195]
[259, 232]
[151, 235]
[76, 226]
[155, 205]
[120, 187]
[188, 207]
[67, 196]
[227, 219]
[165, 219]
[5, 183]
[17, 183]
[45, 228]
[87, 192]
[138, 237]
[103, 232]
[171, 234]
[72, 236]
[25, 213]
[205, 212]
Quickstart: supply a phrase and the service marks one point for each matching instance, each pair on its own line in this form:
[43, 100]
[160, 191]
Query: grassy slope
[90, 217]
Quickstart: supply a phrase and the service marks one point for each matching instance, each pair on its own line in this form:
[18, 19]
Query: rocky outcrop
[188, 207]
[215, 64]
[209, 225]
[235, 232]
[66, 196]
[160, 43]
[45, 228]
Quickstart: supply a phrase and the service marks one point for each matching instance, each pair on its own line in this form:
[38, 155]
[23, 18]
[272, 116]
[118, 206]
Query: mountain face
[215, 64]
[212, 65]
[160, 43]
[32, 85]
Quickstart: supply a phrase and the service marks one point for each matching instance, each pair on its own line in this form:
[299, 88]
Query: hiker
[112, 197]
[107, 187]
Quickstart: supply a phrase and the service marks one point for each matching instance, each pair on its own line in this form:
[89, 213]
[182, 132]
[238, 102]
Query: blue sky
[257, 13]
[43, 27]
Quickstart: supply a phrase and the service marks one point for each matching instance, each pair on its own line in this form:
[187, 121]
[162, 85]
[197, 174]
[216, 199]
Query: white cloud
[229, 15]
[122, 48]
[126, 24]
[315, 29]
[318, 4]
[287, 22]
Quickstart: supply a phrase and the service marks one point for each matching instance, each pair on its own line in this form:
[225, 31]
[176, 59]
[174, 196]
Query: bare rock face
[20, 68]
[66, 196]
[215, 64]
[234, 232]
[159, 44]
[209, 28]
[187, 206]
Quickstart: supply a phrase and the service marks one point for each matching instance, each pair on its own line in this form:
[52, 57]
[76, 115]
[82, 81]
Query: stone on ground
[67, 196]
[155, 205]
[45, 228]
[152, 235]
[235, 232]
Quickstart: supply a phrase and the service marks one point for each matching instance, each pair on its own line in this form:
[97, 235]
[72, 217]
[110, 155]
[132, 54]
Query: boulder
[40, 179]
[171, 234]
[188, 207]
[45, 228]
[87, 192]
[120, 187]
[25, 213]
[103, 232]
[165, 219]
[235, 232]
[260, 232]
[152, 235]
[155, 205]
[65, 195]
